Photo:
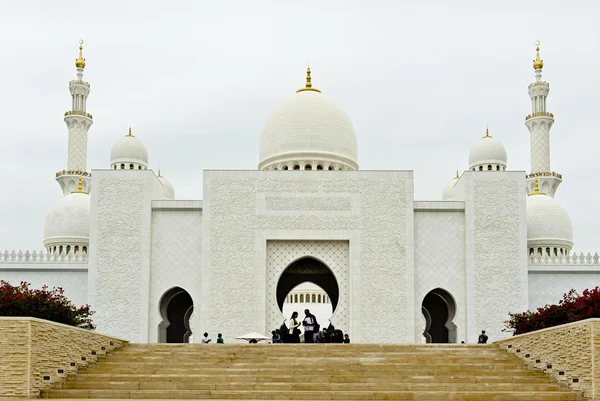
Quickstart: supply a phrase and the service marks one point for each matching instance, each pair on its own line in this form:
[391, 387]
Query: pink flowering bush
[571, 308]
[23, 301]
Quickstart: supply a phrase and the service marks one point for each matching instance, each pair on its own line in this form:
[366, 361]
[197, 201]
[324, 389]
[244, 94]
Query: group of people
[290, 331]
[206, 340]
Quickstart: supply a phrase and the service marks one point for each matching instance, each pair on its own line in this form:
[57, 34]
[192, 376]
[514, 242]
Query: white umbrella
[252, 336]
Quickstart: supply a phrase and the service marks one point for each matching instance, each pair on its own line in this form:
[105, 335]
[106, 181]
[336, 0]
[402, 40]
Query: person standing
[309, 324]
[294, 331]
[482, 338]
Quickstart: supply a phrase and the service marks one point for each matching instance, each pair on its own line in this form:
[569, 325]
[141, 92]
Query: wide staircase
[310, 372]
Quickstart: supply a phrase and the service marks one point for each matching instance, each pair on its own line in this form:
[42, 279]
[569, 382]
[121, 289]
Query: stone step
[304, 386]
[537, 377]
[218, 370]
[318, 395]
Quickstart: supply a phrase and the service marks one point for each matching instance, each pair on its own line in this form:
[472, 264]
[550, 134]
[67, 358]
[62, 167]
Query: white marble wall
[176, 257]
[547, 284]
[372, 210]
[120, 250]
[440, 259]
[496, 254]
[71, 277]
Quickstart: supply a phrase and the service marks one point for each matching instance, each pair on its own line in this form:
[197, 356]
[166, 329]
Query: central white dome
[68, 223]
[308, 130]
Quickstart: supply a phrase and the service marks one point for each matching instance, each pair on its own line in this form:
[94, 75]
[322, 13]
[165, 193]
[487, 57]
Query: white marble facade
[495, 243]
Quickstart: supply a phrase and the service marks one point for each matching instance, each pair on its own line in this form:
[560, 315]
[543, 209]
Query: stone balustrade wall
[569, 354]
[35, 353]
[570, 260]
[42, 257]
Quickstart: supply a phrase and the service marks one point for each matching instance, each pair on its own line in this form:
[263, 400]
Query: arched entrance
[176, 308]
[308, 270]
[311, 270]
[439, 309]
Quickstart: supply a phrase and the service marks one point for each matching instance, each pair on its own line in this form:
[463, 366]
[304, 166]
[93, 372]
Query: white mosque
[380, 264]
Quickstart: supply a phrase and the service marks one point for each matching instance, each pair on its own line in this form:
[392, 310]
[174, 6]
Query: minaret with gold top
[539, 123]
[78, 122]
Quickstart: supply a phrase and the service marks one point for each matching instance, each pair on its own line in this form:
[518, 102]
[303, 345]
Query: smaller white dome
[448, 192]
[129, 150]
[487, 151]
[548, 223]
[168, 190]
[68, 223]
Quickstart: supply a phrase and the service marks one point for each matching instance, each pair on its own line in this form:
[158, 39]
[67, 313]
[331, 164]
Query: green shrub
[22, 301]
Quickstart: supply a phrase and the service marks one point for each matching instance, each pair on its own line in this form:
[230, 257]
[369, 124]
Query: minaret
[78, 122]
[539, 123]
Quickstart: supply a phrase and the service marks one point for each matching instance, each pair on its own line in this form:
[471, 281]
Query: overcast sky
[197, 79]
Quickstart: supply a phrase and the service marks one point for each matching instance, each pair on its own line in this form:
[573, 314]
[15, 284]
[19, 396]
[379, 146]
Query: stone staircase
[310, 372]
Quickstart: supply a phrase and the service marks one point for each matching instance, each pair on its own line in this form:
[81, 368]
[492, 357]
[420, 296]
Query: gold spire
[159, 173]
[308, 86]
[129, 134]
[80, 62]
[536, 188]
[457, 176]
[537, 63]
[487, 133]
[80, 186]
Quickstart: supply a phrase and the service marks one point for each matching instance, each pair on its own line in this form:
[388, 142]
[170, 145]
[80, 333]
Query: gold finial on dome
[457, 176]
[308, 86]
[80, 186]
[80, 62]
[487, 133]
[537, 63]
[536, 188]
[159, 173]
[129, 133]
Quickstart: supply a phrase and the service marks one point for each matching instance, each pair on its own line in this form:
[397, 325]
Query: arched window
[530, 251]
[122, 166]
[301, 298]
[54, 250]
[539, 251]
[548, 251]
[480, 168]
[296, 298]
[308, 166]
[497, 168]
[307, 298]
[114, 166]
[503, 168]
[319, 298]
[284, 167]
[140, 167]
[489, 167]
[319, 167]
[296, 167]
[330, 168]
[314, 298]
[76, 248]
[131, 167]
[85, 249]
[60, 249]
[68, 248]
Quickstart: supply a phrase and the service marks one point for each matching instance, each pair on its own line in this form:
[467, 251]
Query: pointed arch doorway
[439, 309]
[176, 308]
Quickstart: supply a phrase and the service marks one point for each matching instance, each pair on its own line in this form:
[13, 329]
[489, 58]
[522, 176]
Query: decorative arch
[439, 309]
[176, 308]
[334, 255]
